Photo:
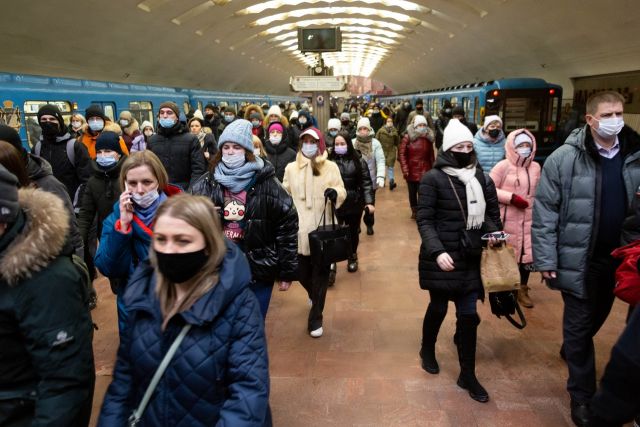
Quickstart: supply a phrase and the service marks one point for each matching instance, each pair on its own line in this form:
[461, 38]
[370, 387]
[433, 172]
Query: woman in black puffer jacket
[257, 213]
[360, 194]
[457, 204]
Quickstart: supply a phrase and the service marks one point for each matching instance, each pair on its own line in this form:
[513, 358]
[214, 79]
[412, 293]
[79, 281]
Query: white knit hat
[334, 124]
[294, 115]
[521, 138]
[419, 119]
[198, 115]
[364, 123]
[275, 110]
[146, 124]
[489, 119]
[455, 133]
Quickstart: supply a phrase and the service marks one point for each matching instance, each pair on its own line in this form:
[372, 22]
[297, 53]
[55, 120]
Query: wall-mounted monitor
[319, 39]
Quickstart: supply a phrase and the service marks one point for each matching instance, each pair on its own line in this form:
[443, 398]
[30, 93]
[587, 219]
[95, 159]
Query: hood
[511, 153]
[37, 167]
[479, 136]
[413, 135]
[132, 128]
[253, 108]
[42, 238]
[302, 161]
[235, 276]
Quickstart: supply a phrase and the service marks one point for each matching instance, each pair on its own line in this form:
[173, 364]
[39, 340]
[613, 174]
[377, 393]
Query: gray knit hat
[238, 132]
[9, 206]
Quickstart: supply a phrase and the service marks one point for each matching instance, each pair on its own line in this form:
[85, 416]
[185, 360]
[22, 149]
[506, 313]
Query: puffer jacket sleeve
[426, 215]
[498, 174]
[334, 180]
[546, 216]
[367, 185]
[87, 212]
[492, 221]
[198, 167]
[286, 234]
[114, 256]
[378, 152]
[248, 367]
[402, 154]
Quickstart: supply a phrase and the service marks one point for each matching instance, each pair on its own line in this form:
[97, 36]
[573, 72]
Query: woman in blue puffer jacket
[488, 143]
[219, 373]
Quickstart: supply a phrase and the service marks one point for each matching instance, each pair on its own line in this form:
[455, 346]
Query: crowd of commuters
[195, 219]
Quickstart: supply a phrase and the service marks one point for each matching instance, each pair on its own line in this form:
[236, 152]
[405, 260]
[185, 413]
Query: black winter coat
[280, 156]
[100, 194]
[271, 233]
[180, 153]
[441, 224]
[357, 183]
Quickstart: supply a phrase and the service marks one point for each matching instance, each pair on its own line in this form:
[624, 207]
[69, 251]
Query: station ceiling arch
[250, 46]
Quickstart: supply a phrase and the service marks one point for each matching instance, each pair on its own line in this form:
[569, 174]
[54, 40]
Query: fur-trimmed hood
[41, 239]
[253, 108]
[132, 128]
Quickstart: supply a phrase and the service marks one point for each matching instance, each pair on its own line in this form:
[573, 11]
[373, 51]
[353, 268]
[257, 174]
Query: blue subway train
[521, 103]
[22, 96]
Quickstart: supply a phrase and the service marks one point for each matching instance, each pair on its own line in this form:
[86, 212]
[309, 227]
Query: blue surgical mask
[333, 132]
[229, 118]
[275, 140]
[421, 130]
[96, 125]
[167, 122]
[233, 161]
[145, 200]
[309, 150]
[255, 123]
[341, 149]
[106, 161]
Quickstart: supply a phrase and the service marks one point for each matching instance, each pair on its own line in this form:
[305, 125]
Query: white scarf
[476, 204]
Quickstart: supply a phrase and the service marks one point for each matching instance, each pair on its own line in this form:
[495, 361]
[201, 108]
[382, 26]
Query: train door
[109, 109]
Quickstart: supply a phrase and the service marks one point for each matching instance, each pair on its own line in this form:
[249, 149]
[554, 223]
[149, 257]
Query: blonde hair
[602, 97]
[78, 116]
[200, 213]
[258, 144]
[144, 158]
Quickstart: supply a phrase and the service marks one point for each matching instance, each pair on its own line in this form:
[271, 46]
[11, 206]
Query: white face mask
[233, 161]
[145, 200]
[309, 150]
[256, 152]
[124, 123]
[610, 126]
[76, 125]
[275, 140]
[148, 132]
[524, 152]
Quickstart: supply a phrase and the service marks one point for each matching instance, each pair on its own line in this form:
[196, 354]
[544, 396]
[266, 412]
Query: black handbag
[505, 303]
[330, 243]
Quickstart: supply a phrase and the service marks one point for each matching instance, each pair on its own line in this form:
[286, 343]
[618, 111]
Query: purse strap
[134, 419]
[458, 199]
[514, 322]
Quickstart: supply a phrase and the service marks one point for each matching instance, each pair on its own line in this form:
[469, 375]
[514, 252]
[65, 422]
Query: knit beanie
[345, 116]
[458, 111]
[274, 110]
[275, 126]
[108, 140]
[10, 135]
[455, 133]
[9, 206]
[317, 135]
[294, 115]
[334, 124]
[172, 105]
[419, 119]
[51, 110]
[521, 138]
[364, 123]
[489, 119]
[146, 124]
[238, 132]
[94, 110]
[209, 107]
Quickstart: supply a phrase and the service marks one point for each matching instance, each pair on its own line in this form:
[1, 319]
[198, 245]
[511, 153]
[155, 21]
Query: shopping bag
[330, 243]
[627, 286]
[499, 269]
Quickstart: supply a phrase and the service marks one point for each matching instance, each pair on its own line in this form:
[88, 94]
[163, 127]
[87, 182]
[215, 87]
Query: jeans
[315, 279]
[465, 304]
[262, 291]
[413, 193]
[390, 173]
[582, 319]
[353, 221]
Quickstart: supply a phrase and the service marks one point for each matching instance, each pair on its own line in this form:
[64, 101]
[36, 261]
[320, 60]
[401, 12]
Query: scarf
[146, 215]
[476, 204]
[305, 188]
[364, 145]
[237, 179]
[201, 136]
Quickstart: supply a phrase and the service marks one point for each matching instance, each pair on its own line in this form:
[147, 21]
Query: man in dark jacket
[584, 210]
[178, 149]
[402, 116]
[69, 160]
[47, 372]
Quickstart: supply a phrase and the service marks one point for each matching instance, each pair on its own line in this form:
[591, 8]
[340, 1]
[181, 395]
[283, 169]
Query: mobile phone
[498, 235]
[129, 204]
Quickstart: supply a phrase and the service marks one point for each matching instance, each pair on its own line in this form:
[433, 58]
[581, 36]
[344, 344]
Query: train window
[551, 114]
[454, 101]
[522, 113]
[186, 107]
[109, 111]
[200, 106]
[141, 111]
[466, 105]
[476, 110]
[31, 117]
[435, 106]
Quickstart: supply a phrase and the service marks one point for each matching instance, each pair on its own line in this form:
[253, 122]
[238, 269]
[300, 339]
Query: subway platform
[365, 369]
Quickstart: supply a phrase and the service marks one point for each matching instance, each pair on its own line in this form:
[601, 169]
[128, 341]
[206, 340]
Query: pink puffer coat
[516, 175]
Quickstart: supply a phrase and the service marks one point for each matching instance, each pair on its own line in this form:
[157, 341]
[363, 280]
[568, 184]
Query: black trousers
[353, 221]
[582, 319]
[315, 279]
[413, 193]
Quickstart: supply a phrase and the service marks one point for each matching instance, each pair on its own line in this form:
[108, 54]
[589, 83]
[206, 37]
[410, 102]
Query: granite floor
[365, 370]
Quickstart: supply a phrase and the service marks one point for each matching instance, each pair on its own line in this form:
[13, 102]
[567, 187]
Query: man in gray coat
[585, 207]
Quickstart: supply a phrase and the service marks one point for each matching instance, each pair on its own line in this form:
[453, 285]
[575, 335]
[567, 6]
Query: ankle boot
[467, 330]
[352, 264]
[332, 274]
[430, 328]
[392, 184]
[413, 213]
[523, 296]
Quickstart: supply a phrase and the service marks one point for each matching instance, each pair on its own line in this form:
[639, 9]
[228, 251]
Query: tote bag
[330, 243]
[499, 269]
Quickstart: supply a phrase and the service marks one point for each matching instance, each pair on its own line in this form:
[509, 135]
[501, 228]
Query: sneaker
[316, 333]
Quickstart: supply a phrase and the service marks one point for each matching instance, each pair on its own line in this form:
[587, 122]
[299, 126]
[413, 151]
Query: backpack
[71, 153]
[627, 286]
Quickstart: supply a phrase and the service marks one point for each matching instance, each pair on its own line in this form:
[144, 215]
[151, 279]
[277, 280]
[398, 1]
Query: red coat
[416, 155]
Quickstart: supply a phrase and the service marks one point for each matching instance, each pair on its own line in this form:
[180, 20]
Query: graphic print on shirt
[233, 215]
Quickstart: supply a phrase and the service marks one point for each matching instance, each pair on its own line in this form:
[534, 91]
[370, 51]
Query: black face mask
[293, 121]
[419, 109]
[463, 159]
[178, 268]
[208, 116]
[493, 133]
[50, 129]
[345, 122]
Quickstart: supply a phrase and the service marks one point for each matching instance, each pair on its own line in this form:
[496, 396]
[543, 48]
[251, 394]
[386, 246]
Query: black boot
[467, 335]
[332, 274]
[352, 264]
[392, 184]
[430, 328]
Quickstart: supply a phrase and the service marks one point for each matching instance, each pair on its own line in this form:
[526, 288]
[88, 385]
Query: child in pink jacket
[516, 179]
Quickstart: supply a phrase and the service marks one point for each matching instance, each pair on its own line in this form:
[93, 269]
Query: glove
[380, 182]
[519, 202]
[331, 194]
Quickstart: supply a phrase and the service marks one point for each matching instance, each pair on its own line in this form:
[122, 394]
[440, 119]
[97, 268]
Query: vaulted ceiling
[245, 46]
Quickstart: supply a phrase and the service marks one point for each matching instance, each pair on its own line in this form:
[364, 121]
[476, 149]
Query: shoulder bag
[330, 243]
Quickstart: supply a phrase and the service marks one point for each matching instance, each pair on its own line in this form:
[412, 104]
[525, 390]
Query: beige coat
[307, 192]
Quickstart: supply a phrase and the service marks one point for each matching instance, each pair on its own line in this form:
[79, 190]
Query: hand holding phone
[498, 235]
